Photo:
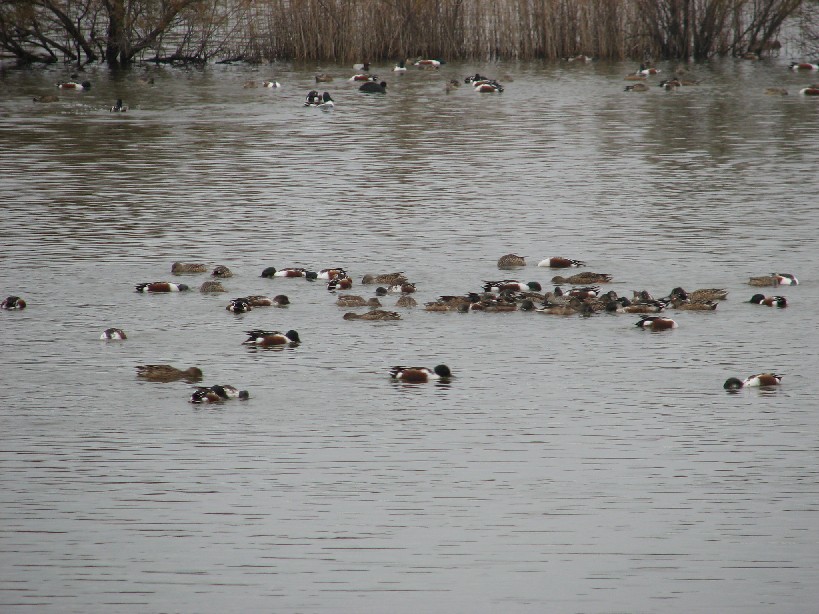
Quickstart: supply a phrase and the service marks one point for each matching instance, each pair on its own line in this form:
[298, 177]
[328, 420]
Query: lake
[573, 464]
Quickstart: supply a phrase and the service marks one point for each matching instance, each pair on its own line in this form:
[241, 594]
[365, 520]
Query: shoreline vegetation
[124, 32]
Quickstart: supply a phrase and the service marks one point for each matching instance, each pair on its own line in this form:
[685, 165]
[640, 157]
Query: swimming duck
[769, 301]
[400, 67]
[13, 302]
[405, 288]
[289, 272]
[637, 87]
[177, 268]
[119, 107]
[323, 78]
[258, 300]
[405, 301]
[699, 296]
[274, 337]
[114, 334]
[74, 85]
[648, 70]
[161, 286]
[375, 314]
[759, 380]
[428, 64]
[804, 66]
[557, 262]
[765, 280]
[624, 305]
[511, 284]
[374, 88]
[583, 59]
[776, 91]
[46, 98]
[420, 375]
[212, 286]
[271, 84]
[786, 279]
[389, 279]
[217, 394]
[363, 66]
[689, 305]
[167, 373]
[327, 103]
[511, 260]
[655, 323]
[221, 271]
[487, 87]
[313, 99]
[582, 279]
[352, 300]
[340, 283]
[812, 90]
[364, 77]
[331, 273]
[239, 305]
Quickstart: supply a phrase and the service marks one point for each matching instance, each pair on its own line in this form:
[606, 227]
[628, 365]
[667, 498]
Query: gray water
[572, 465]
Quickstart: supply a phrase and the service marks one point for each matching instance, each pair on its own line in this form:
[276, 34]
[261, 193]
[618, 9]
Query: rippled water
[573, 465]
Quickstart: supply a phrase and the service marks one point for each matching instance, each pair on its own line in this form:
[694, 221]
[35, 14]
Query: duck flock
[580, 294]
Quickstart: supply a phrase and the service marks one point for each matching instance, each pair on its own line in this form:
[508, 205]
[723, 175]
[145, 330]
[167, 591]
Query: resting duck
[119, 107]
[648, 70]
[177, 268]
[769, 301]
[374, 88]
[217, 394]
[239, 305]
[804, 66]
[487, 87]
[114, 334]
[46, 98]
[327, 103]
[375, 314]
[74, 85]
[400, 67]
[582, 279]
[331, 273]
[221, 271]
[211, 286]
[267, 338]
[511, 284]
[167, 373]
[428, 63]
[340, 283]
[760, 380]
[404, 288]
[557, 262]
[271, 84]
[655, 323]
[389, 279]
[420, 375]
[352, 300]
[161, 286]
[699, 296]
[290, 272]
[323, 78]
[258, 300]
[406, 301]
[637, 87]
[364, 77]
[13, 302]
[511, 260]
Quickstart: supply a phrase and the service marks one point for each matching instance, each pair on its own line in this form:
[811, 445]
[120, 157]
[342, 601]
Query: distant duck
[760, 380]
[114, 334]
[331, 273]
[13, 302]
[327, 103]
[177, 268]
[161, 286]
[488, 86]
[813, 90]
[804, 66]
[119, 107]
[400, 67]
[374, 88]
[364, 77]
[313, 99]
[268, 338]
[648, 70]
[582, 279]
[511, 285]
[239, 305]
[364, 66]
[271, 84]
[167, 373]
[217, 394]
[259, 300]
[475, 78]
[655, 323]
[389, 279]
[46, 98]
[776, 91]
[670, 84]
[340, 283]
[420, 375]
[352, 300]
[511, 260]
[289, 272]
[221, 271]
[637, 87]
[375, 314]
[583, 59]
[428, 63]
[558, 262]
[403, 288]
[700, 295]
[405, 301]
[323, 78]
[769, 301]
[74, 85]
[212, 286]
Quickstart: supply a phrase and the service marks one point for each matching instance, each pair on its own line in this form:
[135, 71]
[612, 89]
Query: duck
[313, 99]
[583, 59]
[161, 286]
[584, 292]
[288, 272]
[655, 323]
[812, 90]
[776, 91]
[178, 268]
[624, 305]
[323, 78]
[511, 260]
[352, 300]
[259, 300]
[327, 103]
[331, 273]
[487, 87]
[404, 288]
[558, 262]
[670, 84]
[113, 334]
[804, 66]
[119, 107]
[763, 281]
[374, 88]
[769, 301]
[405, 301]
[271, 84]
[400, 67]
[637, 87]
[46, 98]
[699, 296]
[217, 394]
[511, 284]
[648, 70]
[239, 305]
[635, 77]
[581, 279]
[420, 375]
[274, 337]
[167, 373]
[13, 302]
[375, 314]
[340, 283]
[74, 85]
[211, 286]
[690, 305]
[364, 77]
[759, 380]
[221, 271]
[389, 279]
[428, 63]
[363, 66]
